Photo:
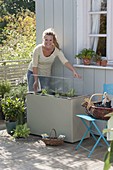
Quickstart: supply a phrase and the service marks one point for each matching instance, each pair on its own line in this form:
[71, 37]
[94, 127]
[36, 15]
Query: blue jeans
[30, 80]
[44, 81]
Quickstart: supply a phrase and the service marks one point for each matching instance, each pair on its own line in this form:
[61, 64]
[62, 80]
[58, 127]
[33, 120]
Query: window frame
[83, 26]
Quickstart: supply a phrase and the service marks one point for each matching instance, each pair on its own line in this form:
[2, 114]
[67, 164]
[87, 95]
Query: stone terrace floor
[32, 154]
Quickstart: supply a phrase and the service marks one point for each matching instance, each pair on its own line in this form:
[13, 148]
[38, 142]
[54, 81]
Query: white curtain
[95, 23]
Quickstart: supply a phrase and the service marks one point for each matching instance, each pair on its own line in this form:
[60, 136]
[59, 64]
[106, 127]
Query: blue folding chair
[92, 123]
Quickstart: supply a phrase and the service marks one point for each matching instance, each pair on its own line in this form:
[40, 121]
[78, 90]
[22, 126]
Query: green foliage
[18, 92]
[15, 6]
[10, 7]
[69, 93]
[19, 36]
[21, 131]
[44, 92]
[5, 87]
[108, 160]
[13, 109]
[97, 58]
[86, 53]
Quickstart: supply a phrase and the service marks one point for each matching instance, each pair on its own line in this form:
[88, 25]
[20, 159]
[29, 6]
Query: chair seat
[86, 117]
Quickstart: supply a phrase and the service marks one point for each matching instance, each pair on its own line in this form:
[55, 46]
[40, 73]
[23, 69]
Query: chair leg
[101, 134]
[97, 142]
[85, 134]
[89, 130]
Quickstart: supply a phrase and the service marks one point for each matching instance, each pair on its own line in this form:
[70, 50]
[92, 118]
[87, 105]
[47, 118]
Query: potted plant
[97, 58]
[5, 87]
[104, 61]
[19, 91]
[13, 110]
[86, 55]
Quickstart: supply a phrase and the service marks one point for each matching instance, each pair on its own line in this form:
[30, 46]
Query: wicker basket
[53, 140]
[94, 110]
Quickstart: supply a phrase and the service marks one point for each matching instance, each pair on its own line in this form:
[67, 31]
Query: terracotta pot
[98, 63]
[86, 61]
[104, 63]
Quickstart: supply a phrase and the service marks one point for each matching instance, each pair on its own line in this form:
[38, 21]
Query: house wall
[66, 17]
[93, 78]
[62, 16]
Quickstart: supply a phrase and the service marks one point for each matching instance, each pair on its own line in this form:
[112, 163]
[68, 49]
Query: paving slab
[33, 154]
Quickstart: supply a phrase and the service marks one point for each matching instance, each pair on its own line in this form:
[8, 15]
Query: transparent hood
[55, 86]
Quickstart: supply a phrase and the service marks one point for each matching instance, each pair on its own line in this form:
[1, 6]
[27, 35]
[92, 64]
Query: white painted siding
[93, 78]
[62, 16]
[67, 18]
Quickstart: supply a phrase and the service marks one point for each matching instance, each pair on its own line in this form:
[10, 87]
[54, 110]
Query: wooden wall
[62, 16]
[66, 17]
[93, 78]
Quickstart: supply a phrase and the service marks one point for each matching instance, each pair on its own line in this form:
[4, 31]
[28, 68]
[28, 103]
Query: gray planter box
[45, 113]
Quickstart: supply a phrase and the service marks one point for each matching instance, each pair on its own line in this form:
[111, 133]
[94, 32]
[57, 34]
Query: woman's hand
[70, 67]
[75, 74]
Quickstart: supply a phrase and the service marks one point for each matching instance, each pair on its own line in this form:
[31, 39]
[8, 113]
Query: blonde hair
[50, 31]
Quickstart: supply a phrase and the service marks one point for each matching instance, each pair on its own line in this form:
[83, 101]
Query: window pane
[103, 24]
[96, 3]
[104, 5]
[98, 26]
[102, 29]
[101, 47]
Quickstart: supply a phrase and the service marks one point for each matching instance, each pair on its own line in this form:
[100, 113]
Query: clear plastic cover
[54, 86]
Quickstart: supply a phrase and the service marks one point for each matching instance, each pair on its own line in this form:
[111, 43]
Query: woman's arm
[35, 73]
[36, 54]
[70, 67]
[67, 64]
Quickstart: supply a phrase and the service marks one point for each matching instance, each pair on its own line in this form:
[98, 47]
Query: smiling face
[48, 41]
[49, 37]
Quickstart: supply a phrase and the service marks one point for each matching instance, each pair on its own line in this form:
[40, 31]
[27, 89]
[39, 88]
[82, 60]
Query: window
[96, 22]
[97, 26]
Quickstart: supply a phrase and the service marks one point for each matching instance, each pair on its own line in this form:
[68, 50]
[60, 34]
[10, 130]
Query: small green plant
[44, 92]
[21, 131]
[97, 57]
[5, 87]
[108, 158]
[86, 54]
[69, 93]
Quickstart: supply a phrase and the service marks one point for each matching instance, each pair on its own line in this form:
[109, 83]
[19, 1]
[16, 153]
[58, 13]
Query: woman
[43, 57]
